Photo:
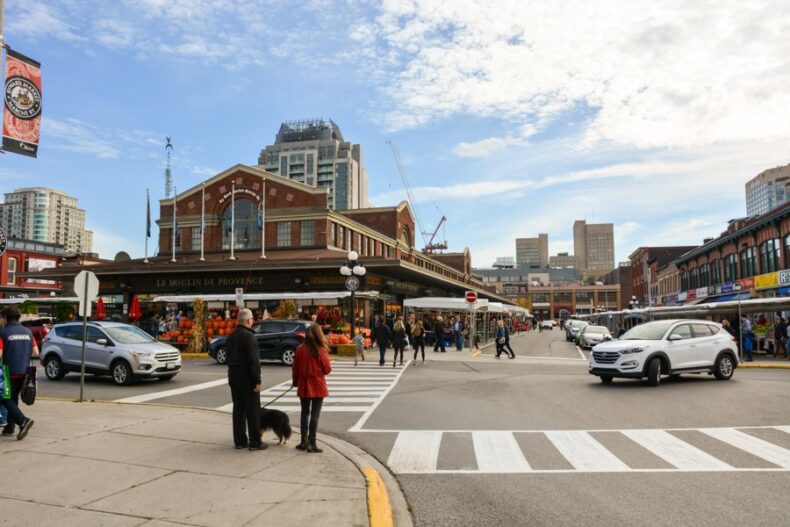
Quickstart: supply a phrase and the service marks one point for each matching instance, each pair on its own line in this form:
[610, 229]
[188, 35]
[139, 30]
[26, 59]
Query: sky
[512, 118]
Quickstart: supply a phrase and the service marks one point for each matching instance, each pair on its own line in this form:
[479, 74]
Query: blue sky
[512, 118]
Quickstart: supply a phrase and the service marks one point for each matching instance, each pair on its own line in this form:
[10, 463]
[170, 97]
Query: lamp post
[353, 270]
[737, 287]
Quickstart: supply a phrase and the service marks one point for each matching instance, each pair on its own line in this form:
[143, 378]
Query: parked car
[592, 335]
[277, 339]
[572, 329]
[666, 347]
[38, 325]
[547, 324]
[123, 351]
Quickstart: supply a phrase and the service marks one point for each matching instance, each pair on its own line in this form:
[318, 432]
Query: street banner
[22, 108]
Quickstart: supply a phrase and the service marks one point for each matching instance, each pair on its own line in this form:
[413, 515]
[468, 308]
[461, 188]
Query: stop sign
[471, 297]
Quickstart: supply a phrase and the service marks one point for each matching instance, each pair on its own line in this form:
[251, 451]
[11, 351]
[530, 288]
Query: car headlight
[632, 350]
[142, 354]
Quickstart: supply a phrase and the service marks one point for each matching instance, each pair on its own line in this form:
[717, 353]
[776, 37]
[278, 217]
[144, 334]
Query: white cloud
[655, 74]
[80, 137]
[39, 20]
[107, 244]
[484, 147]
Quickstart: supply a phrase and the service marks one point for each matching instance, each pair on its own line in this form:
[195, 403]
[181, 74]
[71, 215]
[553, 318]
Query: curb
[379, 508]
[195, 356]
[768, 366]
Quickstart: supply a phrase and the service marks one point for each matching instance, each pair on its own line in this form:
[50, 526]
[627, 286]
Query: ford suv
[666, 347]
[120, 350]
[277, 339]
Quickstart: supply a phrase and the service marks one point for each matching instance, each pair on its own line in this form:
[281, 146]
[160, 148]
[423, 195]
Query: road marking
[498, 452]
[753, 445]
[363, 419]
[675, 451]
[585, 453]
[581, 353]
[296, 409]
[784, 428]
[415, 452]
[176, 391]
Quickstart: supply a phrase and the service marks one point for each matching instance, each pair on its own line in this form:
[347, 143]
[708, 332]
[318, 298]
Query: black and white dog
[278, 422]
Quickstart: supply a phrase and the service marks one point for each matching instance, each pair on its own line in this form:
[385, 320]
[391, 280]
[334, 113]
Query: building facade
[534, 250]
[767, 190]
[23, 256]
[622, 277]
[313, 152]
[45, 215]
[750, 258]
[562, 260]
[593, 245]
[550, 301]
[645, 265]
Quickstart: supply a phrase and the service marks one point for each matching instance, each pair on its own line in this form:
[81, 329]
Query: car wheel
[166, 377]
[287, 356]
[654, 372]
[222, 355]
[53, 367]
[724, 368]
[606, 379]
[121, 373]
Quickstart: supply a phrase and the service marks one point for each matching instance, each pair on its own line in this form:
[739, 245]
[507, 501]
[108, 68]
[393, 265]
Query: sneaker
[24, 429]
[7, 433]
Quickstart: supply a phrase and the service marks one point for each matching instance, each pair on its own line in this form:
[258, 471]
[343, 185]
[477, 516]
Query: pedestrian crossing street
[578, 451]
[351, 388]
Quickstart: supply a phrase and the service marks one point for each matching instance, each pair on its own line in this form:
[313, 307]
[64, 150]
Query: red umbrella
[134, 311]
[101, 313]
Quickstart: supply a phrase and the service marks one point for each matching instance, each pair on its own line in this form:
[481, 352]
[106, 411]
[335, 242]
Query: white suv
[666, 347]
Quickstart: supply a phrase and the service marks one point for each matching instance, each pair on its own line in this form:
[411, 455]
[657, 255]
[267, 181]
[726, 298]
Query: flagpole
[147, 221]
[202, 221]
[232, 220]
[173, 229]
[263, 220]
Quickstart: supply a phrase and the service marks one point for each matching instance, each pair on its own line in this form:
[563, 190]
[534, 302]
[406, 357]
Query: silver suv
[122, 351]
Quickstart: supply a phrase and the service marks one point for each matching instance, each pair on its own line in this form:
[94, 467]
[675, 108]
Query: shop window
[694, 278]
[715, 272]
[703, 275]
[333, 234]
[283, 233]
[769, 256]
[307, 232]
[243, 224]
[730, 268]
[195, 238]
[12, 271]
[684, 281]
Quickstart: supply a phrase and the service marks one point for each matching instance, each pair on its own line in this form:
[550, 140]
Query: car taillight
[300, 334]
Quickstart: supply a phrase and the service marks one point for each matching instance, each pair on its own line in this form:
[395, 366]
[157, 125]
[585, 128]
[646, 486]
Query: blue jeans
[15, 415]
[459, 341]
[382, 352]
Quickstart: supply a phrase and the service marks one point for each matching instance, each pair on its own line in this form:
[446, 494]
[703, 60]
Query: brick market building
[24, 256]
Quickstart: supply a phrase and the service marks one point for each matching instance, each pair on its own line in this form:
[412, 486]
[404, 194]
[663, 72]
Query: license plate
[170, 366]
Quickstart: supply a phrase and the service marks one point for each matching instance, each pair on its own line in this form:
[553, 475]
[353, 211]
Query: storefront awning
[437, 302]
[317, 295]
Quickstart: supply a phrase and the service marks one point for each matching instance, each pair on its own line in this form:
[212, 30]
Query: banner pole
[263, 220]
[147, 220]
[173, 229]
[85, 304]
[232, 220]
[202, 221]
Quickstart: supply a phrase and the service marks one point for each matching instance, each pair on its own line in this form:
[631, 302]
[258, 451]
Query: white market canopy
[42, 300]
[752, 305]
[317, 295]
[442, 302]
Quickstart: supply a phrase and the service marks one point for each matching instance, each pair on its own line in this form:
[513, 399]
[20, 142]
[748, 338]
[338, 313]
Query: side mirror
[674, 337]
[103, 342]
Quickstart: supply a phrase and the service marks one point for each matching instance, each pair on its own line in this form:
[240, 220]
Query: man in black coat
[382, 335]
[438, 328]
[244, 378]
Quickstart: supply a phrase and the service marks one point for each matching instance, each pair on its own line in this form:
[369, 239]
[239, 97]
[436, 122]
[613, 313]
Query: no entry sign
[471, 297]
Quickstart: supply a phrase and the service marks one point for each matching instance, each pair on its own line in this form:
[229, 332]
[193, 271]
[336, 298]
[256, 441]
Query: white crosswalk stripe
[497, 451]
[351, 389]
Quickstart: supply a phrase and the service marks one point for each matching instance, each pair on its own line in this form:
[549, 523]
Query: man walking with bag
[17, 348]
[244, 378]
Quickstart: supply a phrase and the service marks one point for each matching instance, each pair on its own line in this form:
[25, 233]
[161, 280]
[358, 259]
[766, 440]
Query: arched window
[405, 237]
[248, 233]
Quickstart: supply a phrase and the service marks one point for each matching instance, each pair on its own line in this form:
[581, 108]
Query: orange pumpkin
[180, 339]
[210, 332]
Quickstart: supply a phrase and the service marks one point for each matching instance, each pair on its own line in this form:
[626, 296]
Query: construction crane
[430, 245]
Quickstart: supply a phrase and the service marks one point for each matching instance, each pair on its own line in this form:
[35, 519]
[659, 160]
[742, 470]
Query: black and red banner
[22, 108]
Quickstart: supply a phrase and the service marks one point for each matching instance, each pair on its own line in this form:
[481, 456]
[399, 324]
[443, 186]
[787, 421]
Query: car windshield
[129, 335]
[647, 331]
[595, 329]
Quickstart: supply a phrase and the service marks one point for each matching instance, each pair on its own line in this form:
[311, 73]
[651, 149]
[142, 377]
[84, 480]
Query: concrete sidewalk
[113, 464]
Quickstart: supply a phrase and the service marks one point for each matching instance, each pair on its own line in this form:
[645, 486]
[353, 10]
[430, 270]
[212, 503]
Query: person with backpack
[17, 348]
[418, 340]
[398, 341]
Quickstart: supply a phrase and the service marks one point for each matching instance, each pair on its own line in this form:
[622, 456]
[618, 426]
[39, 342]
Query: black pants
[419, 344]
[310, 408]
[439, 343]
[398, 349]
[506, 347]
[246, 414]
[15, 415]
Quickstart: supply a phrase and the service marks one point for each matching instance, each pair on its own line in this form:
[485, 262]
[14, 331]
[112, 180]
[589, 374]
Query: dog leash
[275, 399]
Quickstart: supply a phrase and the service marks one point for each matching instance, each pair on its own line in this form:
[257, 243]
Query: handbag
[501, 340]
[28, 392]
[5, 381]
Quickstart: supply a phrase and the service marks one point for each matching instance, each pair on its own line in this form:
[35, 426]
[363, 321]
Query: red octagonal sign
[471, 297]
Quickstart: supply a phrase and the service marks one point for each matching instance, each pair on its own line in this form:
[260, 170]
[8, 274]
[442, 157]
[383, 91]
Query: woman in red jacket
[311, 364]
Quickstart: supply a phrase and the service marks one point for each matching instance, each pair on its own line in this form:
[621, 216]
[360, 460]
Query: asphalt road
[538, 441]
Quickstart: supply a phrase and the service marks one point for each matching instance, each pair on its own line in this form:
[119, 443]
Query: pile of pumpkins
[217, 326]
[344, 338]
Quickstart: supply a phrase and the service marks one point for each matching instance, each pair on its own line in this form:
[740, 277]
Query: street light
[634, 303]
[353, 270]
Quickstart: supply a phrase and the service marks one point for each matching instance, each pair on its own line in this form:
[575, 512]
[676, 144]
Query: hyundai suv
[666, 347]
[122, 351]
[277, 339]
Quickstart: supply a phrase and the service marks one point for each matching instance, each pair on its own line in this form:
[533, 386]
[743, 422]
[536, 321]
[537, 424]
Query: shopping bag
[5, 381]
[28, 393]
